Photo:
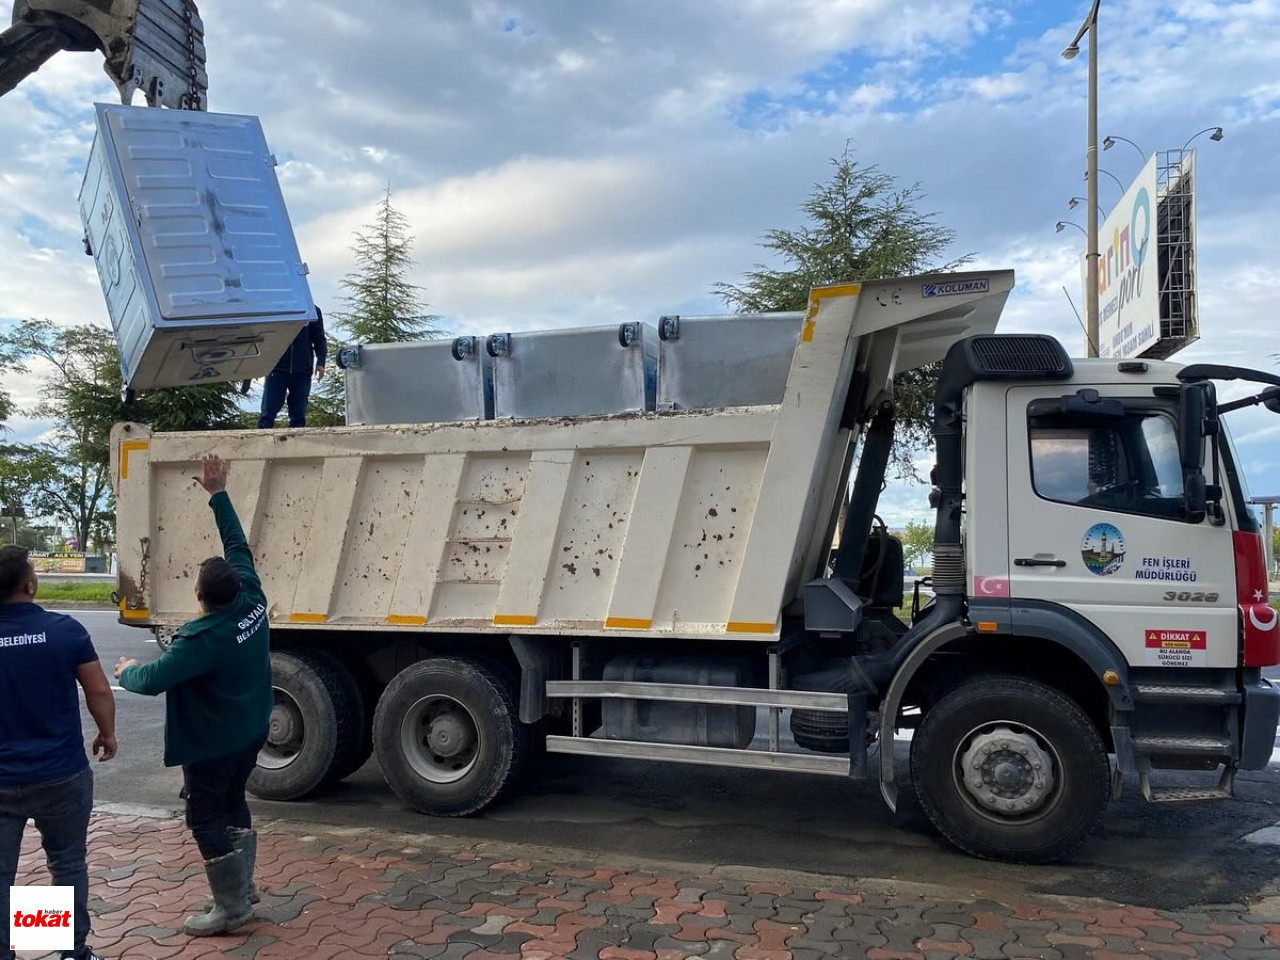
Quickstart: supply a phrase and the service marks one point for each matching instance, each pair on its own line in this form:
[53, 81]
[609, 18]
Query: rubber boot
[246, 842]
[231, 910]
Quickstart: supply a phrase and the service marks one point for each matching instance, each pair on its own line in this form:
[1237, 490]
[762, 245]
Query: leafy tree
[862, 225]
[71, 488]
[917, 541]
[8, 363]
[15, 489]
[82, 396]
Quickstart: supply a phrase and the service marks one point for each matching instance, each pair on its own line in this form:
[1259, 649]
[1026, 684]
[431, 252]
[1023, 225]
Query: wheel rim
[440, 739]
[286, 732]
[1008, 772]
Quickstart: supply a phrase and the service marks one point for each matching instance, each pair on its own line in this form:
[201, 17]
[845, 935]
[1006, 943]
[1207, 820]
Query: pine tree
[382, 305]
[862, 225]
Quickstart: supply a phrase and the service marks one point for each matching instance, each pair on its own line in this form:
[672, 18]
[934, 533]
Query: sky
[567, 163]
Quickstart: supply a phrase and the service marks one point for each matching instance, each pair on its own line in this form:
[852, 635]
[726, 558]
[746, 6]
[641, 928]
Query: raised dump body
[688, 524]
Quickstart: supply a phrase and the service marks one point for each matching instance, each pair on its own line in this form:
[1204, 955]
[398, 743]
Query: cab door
[1096, 524]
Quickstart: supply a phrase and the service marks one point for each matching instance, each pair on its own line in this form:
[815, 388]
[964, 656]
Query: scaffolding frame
[1175, 253]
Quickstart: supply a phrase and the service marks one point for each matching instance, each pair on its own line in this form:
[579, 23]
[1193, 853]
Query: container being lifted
[188, 229]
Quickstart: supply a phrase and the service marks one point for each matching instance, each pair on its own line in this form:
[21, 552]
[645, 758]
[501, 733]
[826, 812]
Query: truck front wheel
[1008, 768]
[447, 736]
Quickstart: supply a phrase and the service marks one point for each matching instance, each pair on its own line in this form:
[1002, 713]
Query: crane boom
[156, 46]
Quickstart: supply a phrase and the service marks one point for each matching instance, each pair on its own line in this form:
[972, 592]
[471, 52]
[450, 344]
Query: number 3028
[1174, 596]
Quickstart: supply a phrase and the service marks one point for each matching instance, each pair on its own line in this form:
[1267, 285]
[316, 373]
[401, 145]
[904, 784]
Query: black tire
[480, 743]
[821, 731]
[983, 719]
[315, 723]
[355, 719]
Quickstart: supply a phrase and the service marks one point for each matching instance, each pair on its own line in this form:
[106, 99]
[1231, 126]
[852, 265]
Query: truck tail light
[1259, 622]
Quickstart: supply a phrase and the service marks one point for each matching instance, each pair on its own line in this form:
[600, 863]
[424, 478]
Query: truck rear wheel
[447, 736]
[361, 698]
[1010, 769]
[316, 722]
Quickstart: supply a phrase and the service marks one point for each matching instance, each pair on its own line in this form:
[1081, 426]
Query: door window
[1127, 463]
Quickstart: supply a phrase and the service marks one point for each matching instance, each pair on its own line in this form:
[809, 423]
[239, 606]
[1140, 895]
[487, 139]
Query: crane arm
[156, 46]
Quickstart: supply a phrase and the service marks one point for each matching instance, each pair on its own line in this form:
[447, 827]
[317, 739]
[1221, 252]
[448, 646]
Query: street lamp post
[1215, 136]
[1090, 26]
[1111, 141]
[1076, 201]
[1119, 182]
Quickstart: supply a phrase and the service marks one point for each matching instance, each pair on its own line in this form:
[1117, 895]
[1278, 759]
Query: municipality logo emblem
[1103, 549]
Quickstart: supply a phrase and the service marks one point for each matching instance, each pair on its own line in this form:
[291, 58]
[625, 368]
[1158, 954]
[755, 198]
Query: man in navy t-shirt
[44, 772]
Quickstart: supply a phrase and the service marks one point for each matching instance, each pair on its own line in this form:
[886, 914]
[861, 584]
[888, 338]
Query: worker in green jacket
[217, 674]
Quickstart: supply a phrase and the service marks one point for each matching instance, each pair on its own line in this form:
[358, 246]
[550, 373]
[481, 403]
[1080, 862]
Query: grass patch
[97, 591]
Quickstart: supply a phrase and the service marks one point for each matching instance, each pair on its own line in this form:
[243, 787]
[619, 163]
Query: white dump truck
[647, 583]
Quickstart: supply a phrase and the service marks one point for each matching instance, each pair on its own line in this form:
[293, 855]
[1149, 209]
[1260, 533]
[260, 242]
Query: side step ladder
[1206, 748]
[1223, 791]
[1211, 700]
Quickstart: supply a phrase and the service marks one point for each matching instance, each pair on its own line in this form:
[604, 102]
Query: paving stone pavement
[344, 893]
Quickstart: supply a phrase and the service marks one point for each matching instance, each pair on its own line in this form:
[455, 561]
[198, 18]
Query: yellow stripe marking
[127, 614]
[627, 623]
[818, 294]
[308, 617]
[514, 620]
[398, 621]
[738, 627]
[127, 448]
[836, 290]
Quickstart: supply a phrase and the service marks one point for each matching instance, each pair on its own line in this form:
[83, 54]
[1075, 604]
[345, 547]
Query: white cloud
[571, 163]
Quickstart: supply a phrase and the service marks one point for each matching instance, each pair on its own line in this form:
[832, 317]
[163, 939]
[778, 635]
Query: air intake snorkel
[985, 357]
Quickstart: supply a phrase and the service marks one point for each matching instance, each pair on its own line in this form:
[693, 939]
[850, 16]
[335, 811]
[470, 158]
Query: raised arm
[235, 546]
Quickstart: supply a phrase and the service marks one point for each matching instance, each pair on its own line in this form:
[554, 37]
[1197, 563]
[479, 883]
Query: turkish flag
[990, 587]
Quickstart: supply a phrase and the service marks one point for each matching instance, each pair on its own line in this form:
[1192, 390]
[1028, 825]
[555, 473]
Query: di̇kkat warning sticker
[1176, 648]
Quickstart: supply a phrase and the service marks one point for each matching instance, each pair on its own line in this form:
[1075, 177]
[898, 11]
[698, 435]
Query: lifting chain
[194, 98]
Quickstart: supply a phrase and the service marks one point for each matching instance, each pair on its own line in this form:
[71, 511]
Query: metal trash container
[187, 226]
[425, 381]
[740, 360]
[583, 372]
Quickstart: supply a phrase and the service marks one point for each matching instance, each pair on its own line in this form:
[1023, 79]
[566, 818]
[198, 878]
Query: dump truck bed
[690, 524]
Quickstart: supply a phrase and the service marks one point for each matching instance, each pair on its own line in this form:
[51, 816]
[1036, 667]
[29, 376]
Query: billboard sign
[1128, 275]
[1147, 265]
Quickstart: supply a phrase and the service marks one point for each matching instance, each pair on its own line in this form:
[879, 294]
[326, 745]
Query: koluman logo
[41, 918]
[955, 288]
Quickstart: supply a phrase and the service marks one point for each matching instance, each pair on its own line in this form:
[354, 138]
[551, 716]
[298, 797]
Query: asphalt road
[1168, 857]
